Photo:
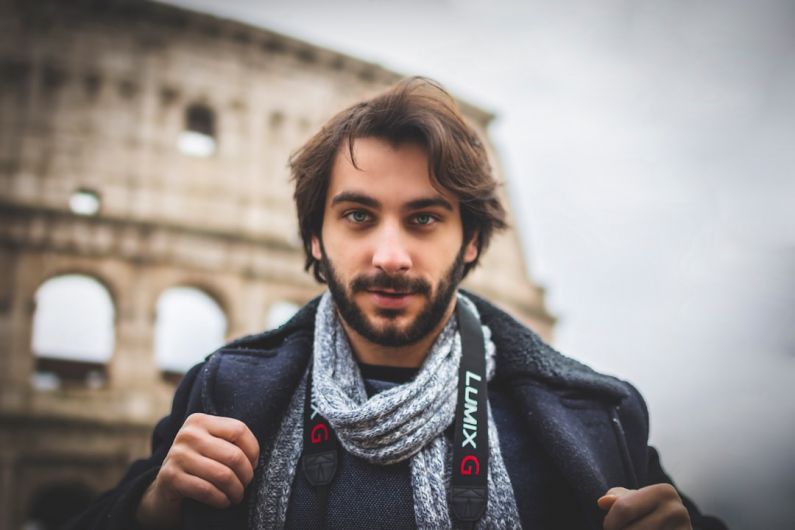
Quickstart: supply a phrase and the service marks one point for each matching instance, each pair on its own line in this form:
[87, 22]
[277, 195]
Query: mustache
[382, 280]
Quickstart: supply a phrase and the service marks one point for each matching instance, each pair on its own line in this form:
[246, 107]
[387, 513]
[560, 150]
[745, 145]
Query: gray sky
[649, 152]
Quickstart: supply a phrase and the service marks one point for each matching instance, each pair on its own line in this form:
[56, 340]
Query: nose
[391, 254]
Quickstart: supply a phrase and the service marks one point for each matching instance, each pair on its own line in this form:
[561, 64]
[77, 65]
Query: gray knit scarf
[405, 421]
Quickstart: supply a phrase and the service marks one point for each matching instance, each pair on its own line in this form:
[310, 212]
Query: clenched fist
[212, 460]
[655, 507]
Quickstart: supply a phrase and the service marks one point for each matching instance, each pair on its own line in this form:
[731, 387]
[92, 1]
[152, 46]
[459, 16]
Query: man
[360, 411]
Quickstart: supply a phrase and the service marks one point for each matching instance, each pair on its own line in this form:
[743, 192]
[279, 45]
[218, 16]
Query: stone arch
[55, 503]
[190, 322]
[68, 268]
[73, 329]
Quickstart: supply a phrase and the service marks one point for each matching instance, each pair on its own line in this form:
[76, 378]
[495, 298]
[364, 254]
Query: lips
[389, 292]
[390, 299]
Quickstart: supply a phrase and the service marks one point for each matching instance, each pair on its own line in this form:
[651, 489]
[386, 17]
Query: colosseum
[146, 208]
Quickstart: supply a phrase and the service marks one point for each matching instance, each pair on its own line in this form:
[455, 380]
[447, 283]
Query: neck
[409, 356]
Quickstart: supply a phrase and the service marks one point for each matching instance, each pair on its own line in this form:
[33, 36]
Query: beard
[391, 334]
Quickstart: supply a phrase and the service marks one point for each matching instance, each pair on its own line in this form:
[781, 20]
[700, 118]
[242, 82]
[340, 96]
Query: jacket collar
[521, 354]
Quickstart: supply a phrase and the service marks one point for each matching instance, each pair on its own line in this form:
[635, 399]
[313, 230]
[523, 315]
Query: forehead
[389, 173]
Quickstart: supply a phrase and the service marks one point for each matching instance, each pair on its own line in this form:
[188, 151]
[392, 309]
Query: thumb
[612, 495]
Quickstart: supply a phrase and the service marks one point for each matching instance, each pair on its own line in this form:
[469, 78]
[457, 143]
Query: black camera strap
[469, 482]
[321, 450]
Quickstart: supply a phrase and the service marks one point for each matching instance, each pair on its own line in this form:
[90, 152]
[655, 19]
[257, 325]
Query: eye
[357, 216]
[425, 219]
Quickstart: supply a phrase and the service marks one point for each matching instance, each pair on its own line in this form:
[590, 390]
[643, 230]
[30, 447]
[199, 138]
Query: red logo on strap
[470, 465]
[319, 433]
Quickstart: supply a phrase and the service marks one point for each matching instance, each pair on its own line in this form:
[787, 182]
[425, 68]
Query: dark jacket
[593, 427]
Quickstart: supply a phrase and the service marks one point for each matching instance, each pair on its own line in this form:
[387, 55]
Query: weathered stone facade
[93, 96]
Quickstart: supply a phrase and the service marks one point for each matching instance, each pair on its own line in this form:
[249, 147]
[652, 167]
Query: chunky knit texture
[405, 422]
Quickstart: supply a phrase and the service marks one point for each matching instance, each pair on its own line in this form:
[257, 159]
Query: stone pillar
[18, 282]
[133, 371]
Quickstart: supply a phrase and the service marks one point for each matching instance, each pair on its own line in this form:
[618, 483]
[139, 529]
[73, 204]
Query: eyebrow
[431, 202]
[365, 200]
[349, 196]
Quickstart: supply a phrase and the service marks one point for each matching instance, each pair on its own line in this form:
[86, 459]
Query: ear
[471, 250]
[316, 248]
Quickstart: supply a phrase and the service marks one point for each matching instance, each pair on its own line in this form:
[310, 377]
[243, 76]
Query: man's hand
[211, 460]
[655, 507]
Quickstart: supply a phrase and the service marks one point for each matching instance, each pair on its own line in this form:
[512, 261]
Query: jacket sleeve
[115, 510]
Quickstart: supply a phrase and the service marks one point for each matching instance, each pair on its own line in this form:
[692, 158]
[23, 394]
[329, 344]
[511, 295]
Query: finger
[193, 487]
[217, 449]
[217, 474]
[627, 508]
[606, 501]
[632, 505]
[231, 430]
[669, 516]
[618, 491]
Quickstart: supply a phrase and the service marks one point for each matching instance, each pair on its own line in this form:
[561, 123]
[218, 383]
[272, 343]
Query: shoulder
[522, 354]
[528, 366]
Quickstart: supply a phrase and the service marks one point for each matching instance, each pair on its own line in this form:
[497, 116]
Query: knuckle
[176, 455]
[187, 434]
[248, 475]
[224, 477]
[238, 429]
[168, 474]
[236, 458]
[213, 497]
[205, 490]
[681, 516]
[667, 490]
[196, 417]
[621, 508]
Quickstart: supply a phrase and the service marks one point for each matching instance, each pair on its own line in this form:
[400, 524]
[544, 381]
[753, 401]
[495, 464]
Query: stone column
[18, 282]
[133, 371]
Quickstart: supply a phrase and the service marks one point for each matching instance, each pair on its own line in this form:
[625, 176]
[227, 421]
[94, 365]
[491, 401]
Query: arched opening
[55, 504]
[73, 332]
[198, 138]
[189, 325]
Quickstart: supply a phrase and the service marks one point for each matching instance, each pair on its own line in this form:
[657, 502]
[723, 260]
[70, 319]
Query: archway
[73, 331]
[189, 325]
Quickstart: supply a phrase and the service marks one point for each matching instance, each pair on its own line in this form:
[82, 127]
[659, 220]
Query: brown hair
[415, 110]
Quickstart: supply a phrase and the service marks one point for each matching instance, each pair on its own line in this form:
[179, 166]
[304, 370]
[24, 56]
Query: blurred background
[646, 150]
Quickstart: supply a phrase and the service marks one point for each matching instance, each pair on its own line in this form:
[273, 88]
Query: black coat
[593, 427]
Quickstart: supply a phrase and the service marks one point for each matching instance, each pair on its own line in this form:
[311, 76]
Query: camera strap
[469, 481]
[321, 450]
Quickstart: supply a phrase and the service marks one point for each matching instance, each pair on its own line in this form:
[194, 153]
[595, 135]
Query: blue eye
[358, 216]
[424, 219]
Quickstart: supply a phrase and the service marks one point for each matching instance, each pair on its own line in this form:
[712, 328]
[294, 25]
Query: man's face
[392, 246]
